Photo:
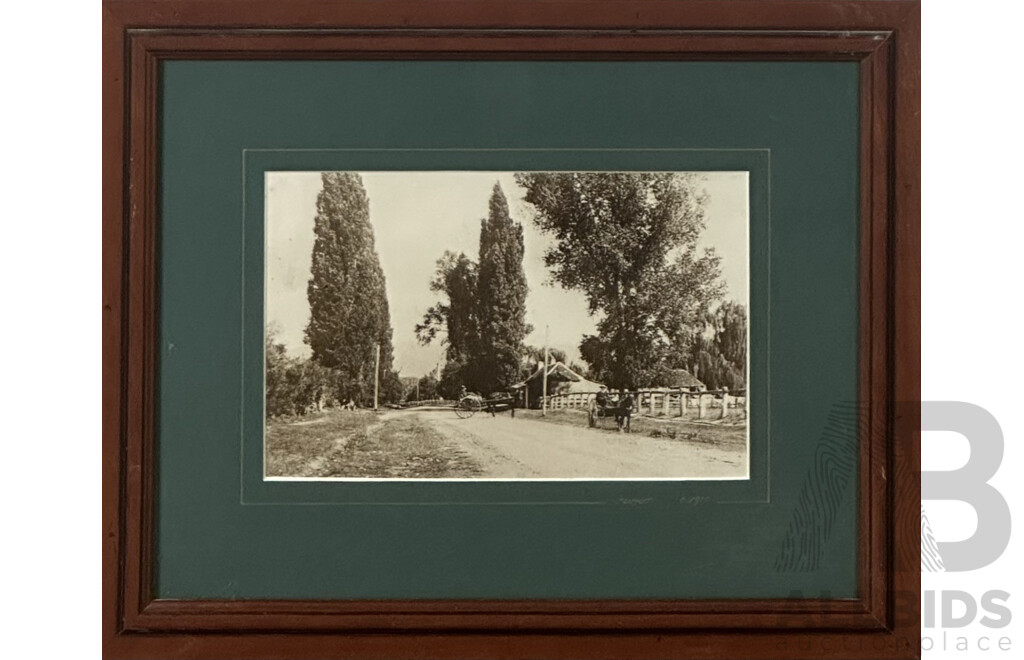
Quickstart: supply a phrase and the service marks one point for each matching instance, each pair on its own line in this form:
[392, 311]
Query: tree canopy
[455, 278]
[501, 296]
[454, 319]
[628, 242]
[483, 311]
[293, 386]
[349, 313]
[718, 350]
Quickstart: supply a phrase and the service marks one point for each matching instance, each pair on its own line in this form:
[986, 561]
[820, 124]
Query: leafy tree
[628, 241]
[581, 370]
[455, 279]
[391, 387]
[535, 354]
[293, 386]
[455, 318]
[426, 388]
[455, 375]
[501, 297]
[717, 352]
[731, 333]
[277, 400]
[533, 357]
[348, 303]
[482, 315]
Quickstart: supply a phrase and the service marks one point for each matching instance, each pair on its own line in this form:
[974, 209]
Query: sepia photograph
[529, 325]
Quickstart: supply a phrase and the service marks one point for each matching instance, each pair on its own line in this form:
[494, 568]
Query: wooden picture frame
[883, 37]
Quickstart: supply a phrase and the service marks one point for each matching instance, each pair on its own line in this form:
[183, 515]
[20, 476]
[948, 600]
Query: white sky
[416, 216]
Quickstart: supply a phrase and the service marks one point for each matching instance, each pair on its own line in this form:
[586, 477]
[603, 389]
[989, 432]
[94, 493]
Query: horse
[624, 411]
[621, 408]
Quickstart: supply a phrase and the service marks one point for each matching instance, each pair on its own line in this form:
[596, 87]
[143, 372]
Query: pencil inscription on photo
[506, 325]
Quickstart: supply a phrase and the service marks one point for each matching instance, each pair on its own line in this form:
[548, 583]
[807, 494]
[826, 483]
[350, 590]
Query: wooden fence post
[666, 403]
[700, 406]
[725, 404]
[683, 400]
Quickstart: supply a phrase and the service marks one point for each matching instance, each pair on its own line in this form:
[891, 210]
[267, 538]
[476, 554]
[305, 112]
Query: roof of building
[683, 378]
[556, 371]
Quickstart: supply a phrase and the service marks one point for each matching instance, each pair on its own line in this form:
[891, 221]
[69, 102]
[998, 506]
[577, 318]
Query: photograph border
[746, 476]
[883, 37]
[255, 490]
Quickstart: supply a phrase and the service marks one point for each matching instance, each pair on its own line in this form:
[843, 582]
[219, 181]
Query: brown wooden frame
[883, 36]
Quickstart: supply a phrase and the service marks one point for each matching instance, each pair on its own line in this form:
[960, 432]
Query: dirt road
[526, 448]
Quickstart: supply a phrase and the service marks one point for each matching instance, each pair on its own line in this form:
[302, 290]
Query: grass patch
[669, 429]
[362, 444]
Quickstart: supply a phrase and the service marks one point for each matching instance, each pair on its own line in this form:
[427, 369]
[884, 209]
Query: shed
[561, 380]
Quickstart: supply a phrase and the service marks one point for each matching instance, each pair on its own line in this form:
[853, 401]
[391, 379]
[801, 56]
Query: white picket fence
[666, 402]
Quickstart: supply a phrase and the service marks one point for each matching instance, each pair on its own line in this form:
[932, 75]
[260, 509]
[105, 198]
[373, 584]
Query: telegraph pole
[544, 377]
[376, 377]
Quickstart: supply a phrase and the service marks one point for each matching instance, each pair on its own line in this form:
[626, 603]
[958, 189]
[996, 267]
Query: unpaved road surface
[526, 448]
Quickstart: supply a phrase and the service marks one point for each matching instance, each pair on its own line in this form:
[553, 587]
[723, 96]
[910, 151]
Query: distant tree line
[426, 388]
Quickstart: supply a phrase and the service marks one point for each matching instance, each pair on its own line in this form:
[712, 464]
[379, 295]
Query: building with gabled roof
[561, 380]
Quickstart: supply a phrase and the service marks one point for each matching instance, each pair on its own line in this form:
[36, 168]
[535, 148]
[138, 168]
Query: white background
[973, 211]
[50, 288]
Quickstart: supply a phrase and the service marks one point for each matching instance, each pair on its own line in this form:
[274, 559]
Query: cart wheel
[467, 407]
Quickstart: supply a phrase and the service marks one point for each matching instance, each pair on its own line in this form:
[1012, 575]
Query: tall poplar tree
[484, 314]
[349, 313]
[501, 296]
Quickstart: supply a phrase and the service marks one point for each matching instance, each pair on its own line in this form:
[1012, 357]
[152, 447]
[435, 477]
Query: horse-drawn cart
[472, 403]
[620, 407]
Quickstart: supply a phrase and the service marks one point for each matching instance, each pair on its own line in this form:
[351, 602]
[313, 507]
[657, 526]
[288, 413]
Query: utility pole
[544, 377]
[376, 377]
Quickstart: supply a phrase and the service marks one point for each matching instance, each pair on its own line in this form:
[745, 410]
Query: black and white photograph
[525, 325]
